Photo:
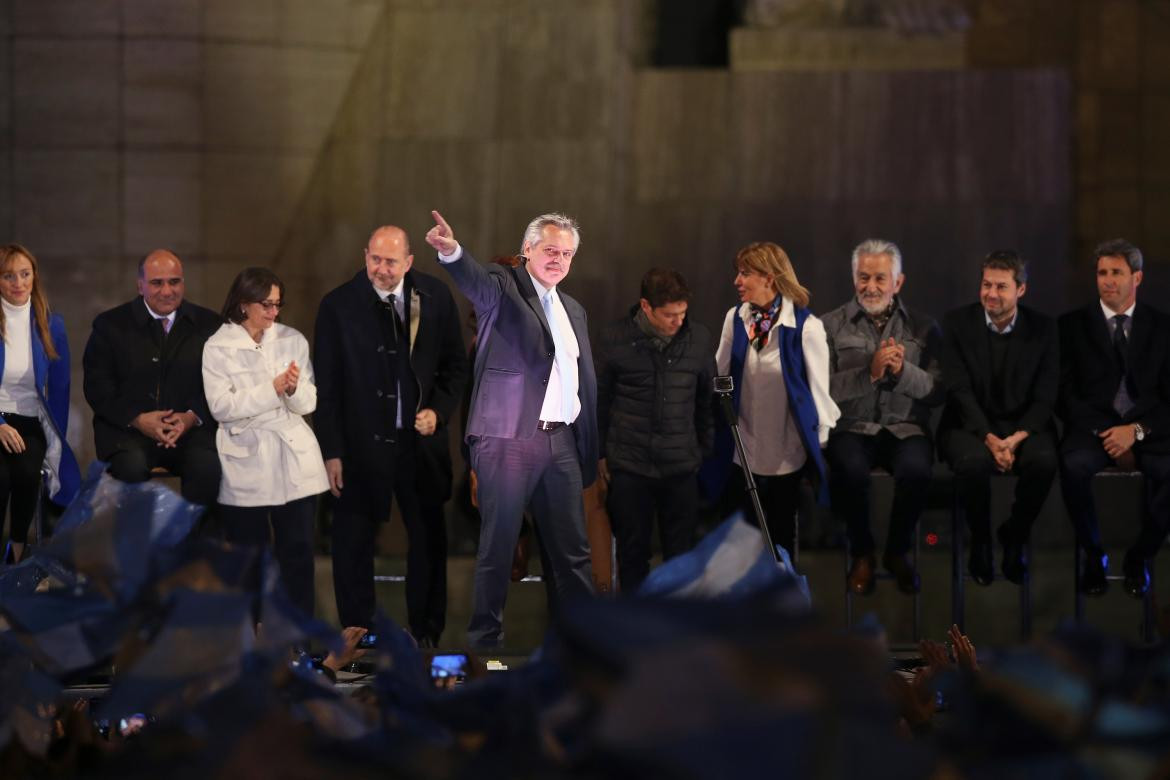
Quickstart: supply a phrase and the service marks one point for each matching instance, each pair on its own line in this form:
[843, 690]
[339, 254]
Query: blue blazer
[52, 378]
[514, 357]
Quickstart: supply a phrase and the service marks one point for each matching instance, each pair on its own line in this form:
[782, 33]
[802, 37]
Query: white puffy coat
[268, 452]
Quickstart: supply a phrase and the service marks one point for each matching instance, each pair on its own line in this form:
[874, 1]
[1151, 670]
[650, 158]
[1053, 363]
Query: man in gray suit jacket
[532, 427]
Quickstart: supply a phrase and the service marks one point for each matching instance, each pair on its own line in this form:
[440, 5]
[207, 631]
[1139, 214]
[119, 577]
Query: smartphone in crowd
[449, 669]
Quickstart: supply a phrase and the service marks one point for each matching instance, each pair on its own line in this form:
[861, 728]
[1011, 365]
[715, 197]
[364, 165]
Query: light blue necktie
[562, 356]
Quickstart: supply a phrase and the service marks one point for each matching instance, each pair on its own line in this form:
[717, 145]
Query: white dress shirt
[550, 410]
[400, 308]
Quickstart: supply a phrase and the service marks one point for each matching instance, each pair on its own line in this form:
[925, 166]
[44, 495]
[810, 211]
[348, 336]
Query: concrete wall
[279, 132]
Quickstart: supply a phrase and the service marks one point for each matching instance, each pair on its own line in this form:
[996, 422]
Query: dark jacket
[1031, 374]
[654, 406]
[130, 368]
[355, 418]
[514, 357]
[1090, 374]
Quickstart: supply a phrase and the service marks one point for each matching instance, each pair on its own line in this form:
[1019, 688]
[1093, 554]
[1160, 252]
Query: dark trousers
[194, 459]
[543, 474]
[1082, 456]
[633, 502]
[973, 465]
[20, 476]
[434, 544]
[851, 457]
[355, 529]
[290, 526]
[779, 497]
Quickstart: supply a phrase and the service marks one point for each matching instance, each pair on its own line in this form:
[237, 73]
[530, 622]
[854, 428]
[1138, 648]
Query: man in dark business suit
[1001, 365]
[390, 371]
[533, 419]
[143, 369]
[1115, 403]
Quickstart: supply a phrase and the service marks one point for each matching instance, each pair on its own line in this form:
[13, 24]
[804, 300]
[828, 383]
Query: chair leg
[1148, 617]
[1078, 596]
[848, 593]
[1026, 601]
[917, 596]
[958, 578]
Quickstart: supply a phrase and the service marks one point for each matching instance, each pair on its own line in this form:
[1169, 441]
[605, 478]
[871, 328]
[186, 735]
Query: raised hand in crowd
[963, 649]
[349, 652]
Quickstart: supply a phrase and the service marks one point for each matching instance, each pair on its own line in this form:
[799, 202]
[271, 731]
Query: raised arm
[481, 287]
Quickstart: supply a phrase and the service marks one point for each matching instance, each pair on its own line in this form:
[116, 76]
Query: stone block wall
[280, 132]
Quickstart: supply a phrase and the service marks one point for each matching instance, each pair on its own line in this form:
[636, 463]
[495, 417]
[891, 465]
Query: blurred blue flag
[730, 562]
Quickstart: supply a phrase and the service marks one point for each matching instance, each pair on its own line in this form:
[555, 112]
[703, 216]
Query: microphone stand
[723, 387]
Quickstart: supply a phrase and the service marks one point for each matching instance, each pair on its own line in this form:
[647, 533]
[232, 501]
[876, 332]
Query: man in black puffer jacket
[654, 417]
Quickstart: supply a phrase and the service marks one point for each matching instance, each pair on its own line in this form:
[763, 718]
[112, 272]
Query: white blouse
[770, 436]
[18, 385]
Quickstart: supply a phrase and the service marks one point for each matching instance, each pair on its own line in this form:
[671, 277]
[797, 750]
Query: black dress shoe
[1093, 582]
[1015, 562]
[904, 574]
[981, 564]
[1137, 575]
[860, 580]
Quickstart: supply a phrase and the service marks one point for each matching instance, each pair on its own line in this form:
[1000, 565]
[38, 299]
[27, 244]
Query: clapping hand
[286, 381]
[887, 359]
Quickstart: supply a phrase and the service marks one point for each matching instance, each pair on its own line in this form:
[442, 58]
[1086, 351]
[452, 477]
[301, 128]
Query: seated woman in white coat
[259, 384]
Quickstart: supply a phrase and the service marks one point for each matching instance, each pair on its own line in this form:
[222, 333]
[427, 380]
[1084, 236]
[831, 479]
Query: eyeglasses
[269, 305]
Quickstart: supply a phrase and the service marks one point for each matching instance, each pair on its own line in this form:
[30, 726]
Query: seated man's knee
[972, 465]
[1080, 464]
[200, 473]
[1041, 464]
[129, 466]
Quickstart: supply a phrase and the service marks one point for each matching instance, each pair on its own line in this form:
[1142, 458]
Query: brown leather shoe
[860, 579]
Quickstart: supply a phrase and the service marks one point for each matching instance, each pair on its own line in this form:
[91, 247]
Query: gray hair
[877, 246]
[532, 232]
[1119, 247]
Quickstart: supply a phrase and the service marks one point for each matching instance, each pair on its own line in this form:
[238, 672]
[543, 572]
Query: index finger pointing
[440, 221]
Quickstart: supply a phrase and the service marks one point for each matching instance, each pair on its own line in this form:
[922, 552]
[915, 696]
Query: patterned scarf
[761, 322]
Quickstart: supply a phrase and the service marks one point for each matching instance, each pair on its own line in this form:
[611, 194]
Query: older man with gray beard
[884, 376]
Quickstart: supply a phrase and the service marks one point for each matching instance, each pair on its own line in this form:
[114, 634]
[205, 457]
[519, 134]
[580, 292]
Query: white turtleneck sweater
[18, 385]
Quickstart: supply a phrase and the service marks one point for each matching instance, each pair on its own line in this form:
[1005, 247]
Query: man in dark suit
[1001, 363]
[1115, 402]
[390, 372]
[533, 420]
[144, 380]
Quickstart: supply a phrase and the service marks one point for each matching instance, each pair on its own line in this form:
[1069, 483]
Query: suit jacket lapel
[981, 367]
[1099, 335]
[527, 288]
[1139, 335]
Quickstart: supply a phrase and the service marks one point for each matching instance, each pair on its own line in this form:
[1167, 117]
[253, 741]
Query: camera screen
[448, 669]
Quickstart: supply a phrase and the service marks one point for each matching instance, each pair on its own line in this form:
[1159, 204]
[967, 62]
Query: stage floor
[992, 613]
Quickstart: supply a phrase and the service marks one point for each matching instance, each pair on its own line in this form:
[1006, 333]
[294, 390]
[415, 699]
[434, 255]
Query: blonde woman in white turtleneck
[34, 398]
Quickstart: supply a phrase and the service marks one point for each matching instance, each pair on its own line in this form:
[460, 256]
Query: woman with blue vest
[777, 353]
[34, 398]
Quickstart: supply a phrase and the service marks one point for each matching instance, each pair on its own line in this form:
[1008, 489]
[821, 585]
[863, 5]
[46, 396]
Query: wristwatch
[1139, 433]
